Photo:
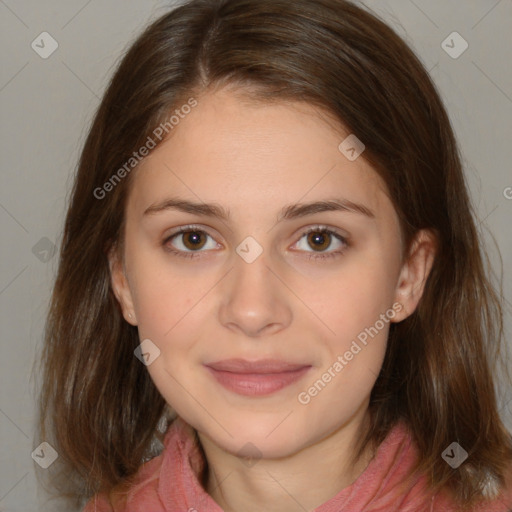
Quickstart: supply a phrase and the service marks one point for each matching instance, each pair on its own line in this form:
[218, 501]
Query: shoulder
[144, 482]
[143, 487]
[98, 503]
[502, 503]
[400, 447]
[501, 500]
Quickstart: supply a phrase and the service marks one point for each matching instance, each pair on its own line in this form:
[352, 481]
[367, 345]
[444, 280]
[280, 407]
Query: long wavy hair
[98, 405]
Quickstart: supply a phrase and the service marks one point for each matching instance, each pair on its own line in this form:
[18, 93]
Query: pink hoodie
[169, 482]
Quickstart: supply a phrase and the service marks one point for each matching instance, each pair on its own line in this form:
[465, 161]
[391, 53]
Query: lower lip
[257, 384]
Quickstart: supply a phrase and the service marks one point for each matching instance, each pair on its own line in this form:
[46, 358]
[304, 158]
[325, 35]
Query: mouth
[256, 378]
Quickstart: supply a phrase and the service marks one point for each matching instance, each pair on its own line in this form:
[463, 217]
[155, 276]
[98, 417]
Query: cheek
[170, 313]
[353, 353]
[163, 293]
[354, 298]
[163, 302]
[357, 306]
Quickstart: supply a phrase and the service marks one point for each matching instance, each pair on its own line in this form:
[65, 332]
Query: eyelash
[313, 255]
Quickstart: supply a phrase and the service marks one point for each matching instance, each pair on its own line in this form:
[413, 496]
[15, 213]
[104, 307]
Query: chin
[253, 438]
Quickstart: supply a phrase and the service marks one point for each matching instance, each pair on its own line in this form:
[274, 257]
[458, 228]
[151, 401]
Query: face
[271, 316]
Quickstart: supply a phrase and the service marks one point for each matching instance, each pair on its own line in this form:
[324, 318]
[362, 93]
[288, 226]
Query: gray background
[47, 104]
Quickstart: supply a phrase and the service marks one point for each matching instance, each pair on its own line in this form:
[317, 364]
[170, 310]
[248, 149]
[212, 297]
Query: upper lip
[261, 366]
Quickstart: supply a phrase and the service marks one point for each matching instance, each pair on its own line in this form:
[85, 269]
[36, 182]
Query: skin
[253, 159]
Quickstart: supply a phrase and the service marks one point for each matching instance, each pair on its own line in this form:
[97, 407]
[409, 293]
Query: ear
[121, 286]
[414, 273]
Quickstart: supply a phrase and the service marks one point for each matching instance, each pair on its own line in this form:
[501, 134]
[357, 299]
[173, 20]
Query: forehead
[254, 158]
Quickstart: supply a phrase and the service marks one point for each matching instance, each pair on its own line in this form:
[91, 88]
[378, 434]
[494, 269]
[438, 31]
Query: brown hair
[100, 401]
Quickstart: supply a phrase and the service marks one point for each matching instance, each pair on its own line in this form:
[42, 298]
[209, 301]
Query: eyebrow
[289, 212]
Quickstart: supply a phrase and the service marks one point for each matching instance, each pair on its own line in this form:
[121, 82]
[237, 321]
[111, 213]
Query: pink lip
[256, 378]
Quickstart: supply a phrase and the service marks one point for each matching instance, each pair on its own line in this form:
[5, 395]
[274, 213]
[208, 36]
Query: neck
[301, 481]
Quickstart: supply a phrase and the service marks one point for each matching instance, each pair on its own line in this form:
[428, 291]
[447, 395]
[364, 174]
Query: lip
[256, 378]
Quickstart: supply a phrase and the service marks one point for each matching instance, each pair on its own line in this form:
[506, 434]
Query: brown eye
[193, 239]
[189, 242]
[319, 240]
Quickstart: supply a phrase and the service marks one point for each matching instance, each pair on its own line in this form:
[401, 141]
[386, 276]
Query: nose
[255, 300]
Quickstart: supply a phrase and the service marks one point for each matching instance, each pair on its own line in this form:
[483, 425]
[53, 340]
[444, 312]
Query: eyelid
[185, 229]
[322, 228]
[344, 239]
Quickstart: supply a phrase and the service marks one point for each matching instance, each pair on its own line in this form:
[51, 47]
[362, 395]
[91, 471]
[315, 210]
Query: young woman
[270, 263]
